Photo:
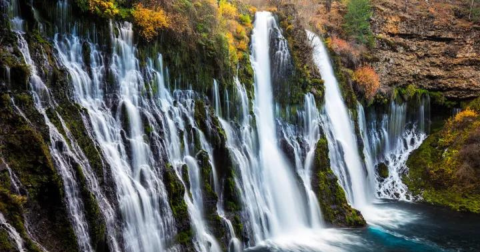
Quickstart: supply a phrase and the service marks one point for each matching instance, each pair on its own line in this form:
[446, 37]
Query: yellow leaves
[240, 32]
[367, 79]
[150, 21]
[272, 9]
[235, 27]
[227, 10]
[106, 8]
[231, 42]
[467, 113]
[252, 10]
[242, 46]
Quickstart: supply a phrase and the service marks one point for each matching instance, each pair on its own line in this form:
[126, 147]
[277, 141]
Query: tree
[367, 80]
[150, 21]
[357, 21]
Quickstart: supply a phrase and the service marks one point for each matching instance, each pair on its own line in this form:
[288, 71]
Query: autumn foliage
[150, 21]
[235, 26]
[106, 8]
[467, 113]
[368, 80]
[343, 48]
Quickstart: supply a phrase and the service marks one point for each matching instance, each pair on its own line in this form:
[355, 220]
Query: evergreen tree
[357, 21]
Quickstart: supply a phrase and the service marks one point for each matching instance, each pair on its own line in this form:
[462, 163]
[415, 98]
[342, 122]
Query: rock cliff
[428, 44]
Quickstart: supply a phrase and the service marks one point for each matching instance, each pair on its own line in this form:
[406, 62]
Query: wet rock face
[282, 69]
[382, 170]
[331, 197]
[427, 45]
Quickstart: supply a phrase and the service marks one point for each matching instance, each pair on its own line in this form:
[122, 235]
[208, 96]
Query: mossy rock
[210, 197]
[445, 169]
[331, 196]
[382, 170]
[6, 245]
[23, 147]
[304, 76]
[176, 194]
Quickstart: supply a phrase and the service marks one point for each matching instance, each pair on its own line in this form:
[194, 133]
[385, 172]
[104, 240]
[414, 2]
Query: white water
[178, 115]
[12, 233]
[277, 195]
[144, 102]
[304, 144]
[139, 187]
[357, 176]
[242, 144]
[390, 140]
[15, 182]
[343, 149]
[59, 150]
[283, 199]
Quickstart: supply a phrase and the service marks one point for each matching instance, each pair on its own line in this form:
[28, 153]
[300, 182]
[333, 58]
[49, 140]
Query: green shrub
[357, 21]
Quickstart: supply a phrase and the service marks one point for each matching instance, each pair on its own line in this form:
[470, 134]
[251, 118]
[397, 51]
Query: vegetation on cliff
[331, 197]
[445, 170]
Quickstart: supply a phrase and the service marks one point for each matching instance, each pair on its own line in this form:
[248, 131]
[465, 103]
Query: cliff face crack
[414, 36]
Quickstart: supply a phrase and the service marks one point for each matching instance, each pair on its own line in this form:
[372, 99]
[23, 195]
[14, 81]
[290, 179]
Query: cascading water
[304, 151]
[15, 182]
[343, 149]
[144, 130]
[12, 233]
[357, 176]
[242, 144]
[177, 116]
[284, 201]
[60, 150]
[143, 201]
[139, 188]
[234, 243]
[389, 139]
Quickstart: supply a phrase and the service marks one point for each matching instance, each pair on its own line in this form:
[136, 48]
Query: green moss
[382, 170]
[96, 223]
[5, 243]
[305, 77]
[442, 170]
[184, 237]
[331, 197]
[176, 193]
[25, 150]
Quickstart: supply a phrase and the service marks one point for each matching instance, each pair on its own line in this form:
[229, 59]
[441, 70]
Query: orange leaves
[467, 113]
[343, 48]
[340, 45]
[368, 80]
[150, 21]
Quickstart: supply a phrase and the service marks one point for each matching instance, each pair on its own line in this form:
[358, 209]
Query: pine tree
[357, 21]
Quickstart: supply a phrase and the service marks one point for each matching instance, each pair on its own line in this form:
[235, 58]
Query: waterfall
[12, 234]
[389, 138]
[305, 153]
[216, 99]
[144, 102]
[140, 192]
[145, 128]
[234, 244]
[343, 149]
[283, 197]
[15, 182]
[242, 144]
[280, 205]
[178, 115]
[59, 149]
